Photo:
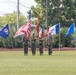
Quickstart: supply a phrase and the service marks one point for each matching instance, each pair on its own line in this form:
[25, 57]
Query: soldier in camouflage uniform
[25, 45]
[50, 41]
[41, 45]
[33, 44]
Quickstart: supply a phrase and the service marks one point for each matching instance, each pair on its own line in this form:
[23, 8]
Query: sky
[9, 6]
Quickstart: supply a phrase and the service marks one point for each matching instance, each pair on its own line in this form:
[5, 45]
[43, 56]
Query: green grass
[60, 63]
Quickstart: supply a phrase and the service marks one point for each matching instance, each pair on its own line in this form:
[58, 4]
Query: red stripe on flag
[25, 29]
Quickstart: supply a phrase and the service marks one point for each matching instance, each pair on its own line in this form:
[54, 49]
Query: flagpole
[11, 38]
[5, 44]
[30, 18]
[11, 43]
[74, 34]
[59, 37]
[17, 14]
[46, 14]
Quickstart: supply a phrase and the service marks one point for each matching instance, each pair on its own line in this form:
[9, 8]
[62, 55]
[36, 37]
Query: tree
[65, 42]
[11, 19]
[62, 11]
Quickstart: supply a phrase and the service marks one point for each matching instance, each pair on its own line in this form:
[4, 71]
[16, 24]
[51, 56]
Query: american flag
[27, 29]
[24, 30]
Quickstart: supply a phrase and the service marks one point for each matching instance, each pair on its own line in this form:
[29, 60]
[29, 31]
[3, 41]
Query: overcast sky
[8, 6]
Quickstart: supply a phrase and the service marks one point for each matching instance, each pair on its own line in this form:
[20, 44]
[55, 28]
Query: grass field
[60, 63]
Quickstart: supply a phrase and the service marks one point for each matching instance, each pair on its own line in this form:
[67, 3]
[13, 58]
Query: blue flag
[54, 29]
[29, 16]
[41, 32]
[70, 30]
[5, 32]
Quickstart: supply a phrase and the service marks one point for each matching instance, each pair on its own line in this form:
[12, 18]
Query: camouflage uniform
[33, 45]
[41, 46]
[49, 41]
[25, 45]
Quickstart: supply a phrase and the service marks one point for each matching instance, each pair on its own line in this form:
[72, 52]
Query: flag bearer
[33, 44]
[49, 43]
[26, 41]
[41, 45]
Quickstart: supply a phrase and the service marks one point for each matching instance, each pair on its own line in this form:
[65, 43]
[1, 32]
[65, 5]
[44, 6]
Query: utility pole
[17, 14]
[47, 14]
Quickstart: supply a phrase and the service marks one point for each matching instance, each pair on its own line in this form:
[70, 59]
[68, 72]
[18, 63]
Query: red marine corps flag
[38, 23]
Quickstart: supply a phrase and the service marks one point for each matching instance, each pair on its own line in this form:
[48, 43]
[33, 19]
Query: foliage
[62, 11]
[65, 42]
[11, 20]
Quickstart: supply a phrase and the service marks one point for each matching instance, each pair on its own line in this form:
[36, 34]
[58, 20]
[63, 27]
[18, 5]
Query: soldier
[49, 42]
[25, 45]
[41, 45]
[33, 44]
